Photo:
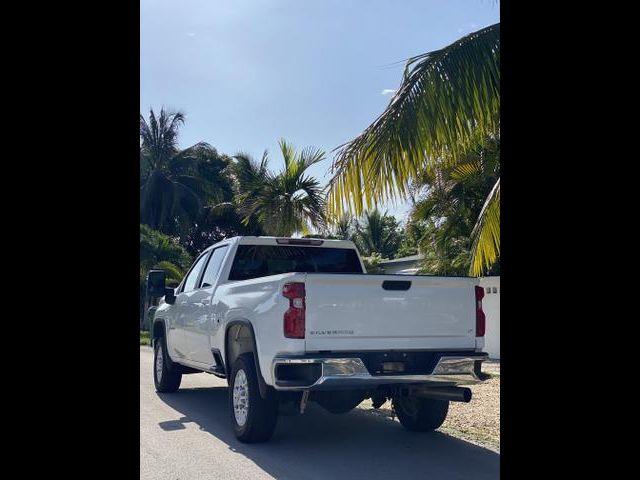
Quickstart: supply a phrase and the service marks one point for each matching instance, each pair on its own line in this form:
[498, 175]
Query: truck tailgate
[355, 312]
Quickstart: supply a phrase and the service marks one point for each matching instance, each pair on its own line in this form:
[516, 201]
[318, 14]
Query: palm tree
[458, 192]
[377, 233]
[283, 203]
[343, 228]
[171, 192]
[448, 102]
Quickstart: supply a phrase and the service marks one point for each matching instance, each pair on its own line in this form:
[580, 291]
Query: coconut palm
[448, 102]
[342, 229]
[377, 233]
[171, 195]
[457, 193]
[283, 203]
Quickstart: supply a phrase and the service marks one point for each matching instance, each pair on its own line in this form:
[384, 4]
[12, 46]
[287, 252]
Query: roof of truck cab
[326, 243]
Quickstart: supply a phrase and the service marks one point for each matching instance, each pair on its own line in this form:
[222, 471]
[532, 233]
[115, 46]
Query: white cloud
[191, 34]
[387, 91]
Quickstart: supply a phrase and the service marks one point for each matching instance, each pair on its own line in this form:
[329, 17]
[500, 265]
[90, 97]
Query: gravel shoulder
[477, 421]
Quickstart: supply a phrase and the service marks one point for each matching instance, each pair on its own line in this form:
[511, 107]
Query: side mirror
[169, 296]
[156, 283]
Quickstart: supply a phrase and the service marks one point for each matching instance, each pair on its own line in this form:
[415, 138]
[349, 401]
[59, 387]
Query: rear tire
[420, 414]
[166, 374]
[253, 418]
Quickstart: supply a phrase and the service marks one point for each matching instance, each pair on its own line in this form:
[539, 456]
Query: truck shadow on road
[319, 445]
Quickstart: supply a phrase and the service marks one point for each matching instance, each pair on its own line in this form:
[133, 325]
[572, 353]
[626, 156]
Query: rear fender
[240, 338]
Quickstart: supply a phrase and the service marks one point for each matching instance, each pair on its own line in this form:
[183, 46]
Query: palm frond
[185, 161]
[486, 234]
[448, 99]
[173, 273]
[311, 155]
[199, 186]
[247, 171]
[342, 228]
[288, 153]
[159, 136]
[465, 171]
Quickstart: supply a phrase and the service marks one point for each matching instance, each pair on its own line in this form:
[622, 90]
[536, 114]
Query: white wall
[491, 308]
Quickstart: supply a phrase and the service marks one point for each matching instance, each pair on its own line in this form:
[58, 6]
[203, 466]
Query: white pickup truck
[289, 320]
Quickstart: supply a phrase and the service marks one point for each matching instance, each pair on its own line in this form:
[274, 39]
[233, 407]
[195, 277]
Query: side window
[192, 276]
[213, 267]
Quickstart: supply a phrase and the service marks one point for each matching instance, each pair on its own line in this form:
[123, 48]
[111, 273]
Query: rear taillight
[480, 317]
[294, 316]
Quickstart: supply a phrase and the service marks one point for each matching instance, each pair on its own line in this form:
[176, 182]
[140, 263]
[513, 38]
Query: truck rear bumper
[307, 372]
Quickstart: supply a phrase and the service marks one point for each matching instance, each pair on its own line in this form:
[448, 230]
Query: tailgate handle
[396, 285]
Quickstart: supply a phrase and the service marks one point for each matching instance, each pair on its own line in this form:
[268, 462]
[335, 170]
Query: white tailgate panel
[354, 312]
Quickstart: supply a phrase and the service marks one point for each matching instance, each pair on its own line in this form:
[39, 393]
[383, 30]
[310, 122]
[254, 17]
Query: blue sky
[316, 72]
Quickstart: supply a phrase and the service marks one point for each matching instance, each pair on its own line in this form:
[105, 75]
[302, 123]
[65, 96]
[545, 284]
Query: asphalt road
[186, 436]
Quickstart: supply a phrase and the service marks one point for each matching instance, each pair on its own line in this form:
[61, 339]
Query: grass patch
[145, 338]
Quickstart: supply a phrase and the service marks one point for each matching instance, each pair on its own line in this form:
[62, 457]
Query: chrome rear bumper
[346, 373]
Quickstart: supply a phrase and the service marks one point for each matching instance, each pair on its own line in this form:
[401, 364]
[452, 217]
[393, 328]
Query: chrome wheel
[159, 361]
[240, 398]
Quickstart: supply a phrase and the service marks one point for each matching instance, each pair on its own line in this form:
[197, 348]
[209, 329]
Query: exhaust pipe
[453, 394]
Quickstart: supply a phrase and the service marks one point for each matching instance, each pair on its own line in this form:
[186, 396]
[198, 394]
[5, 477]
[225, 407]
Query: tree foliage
[159, 251]
[449, 201]
[449, 101]
[172, 190]
[156, 247]
[376, 232]
[283, 203]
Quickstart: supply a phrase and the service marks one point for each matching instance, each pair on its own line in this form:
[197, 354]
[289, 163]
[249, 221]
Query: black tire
[166, 379]
[262, 414]
[420, 414]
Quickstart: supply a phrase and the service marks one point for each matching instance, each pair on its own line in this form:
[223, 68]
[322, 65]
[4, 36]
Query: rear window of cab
[253, 261]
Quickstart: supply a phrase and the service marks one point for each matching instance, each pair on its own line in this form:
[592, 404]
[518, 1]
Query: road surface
[186, 436]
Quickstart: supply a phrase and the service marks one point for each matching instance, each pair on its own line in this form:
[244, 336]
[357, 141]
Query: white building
[491, 308]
